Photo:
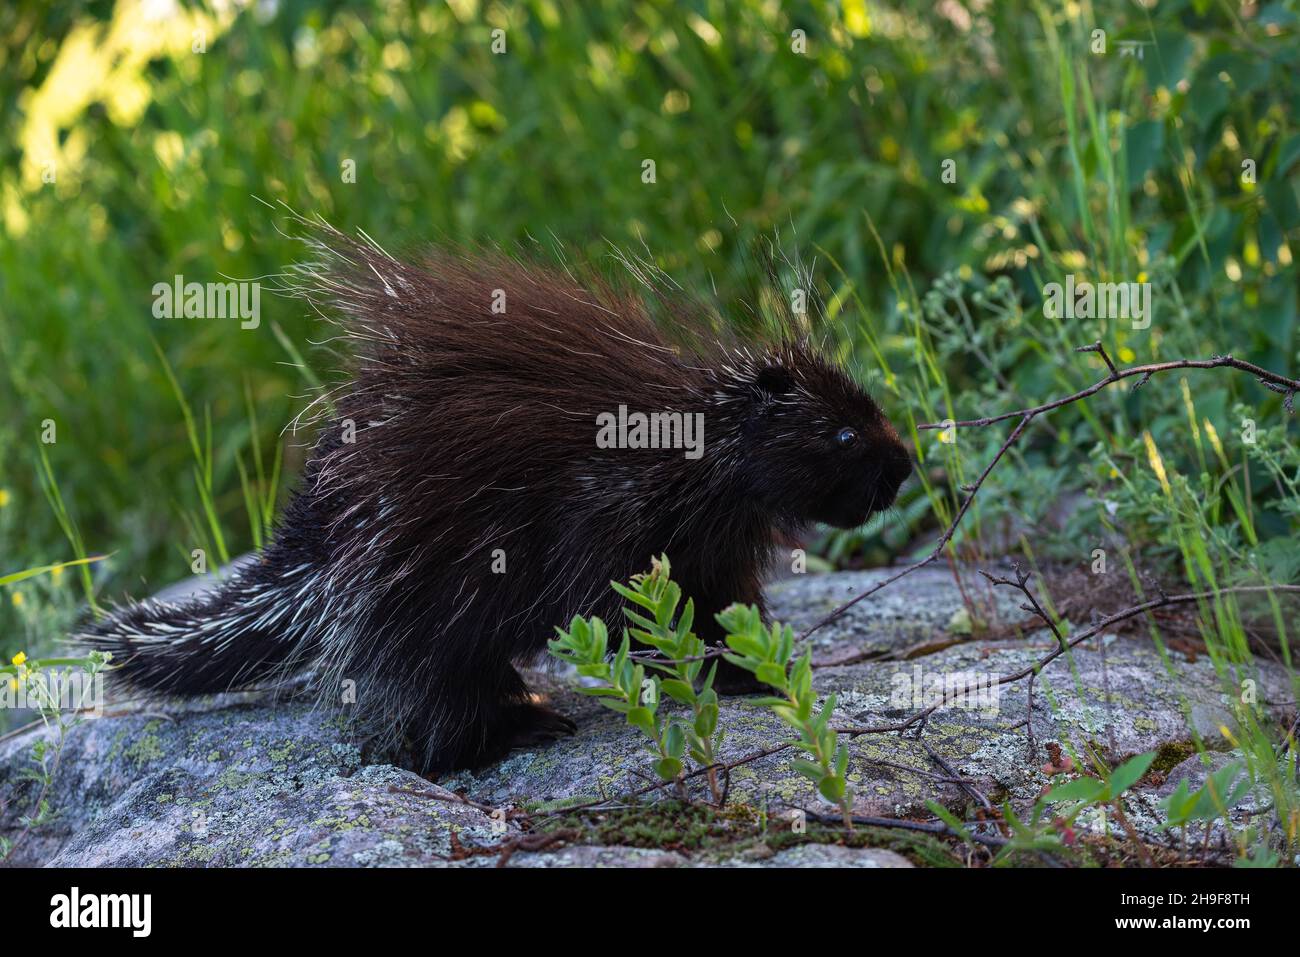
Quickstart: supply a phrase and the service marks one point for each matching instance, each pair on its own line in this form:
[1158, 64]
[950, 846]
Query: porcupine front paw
[529, 725]
[733, 680]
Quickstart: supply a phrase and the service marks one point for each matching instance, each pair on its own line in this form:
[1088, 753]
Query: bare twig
[1096, 628]
[725, 768]
[926, 827]
[1031, 605]
[1270, 380]
[1288, 388]
[961, 781]
[944, 539]
[1098, 348]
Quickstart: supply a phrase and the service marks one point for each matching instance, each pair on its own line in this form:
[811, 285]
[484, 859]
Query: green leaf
[1178, 805]
[785, 646]
[620, 657]
[943, 814]
[647, 626]
[687, 619]
[634, 596]
[14, 577]
[786, 713]
[667, 604]
[668, 768]
[1129, 773]
[707, 688]
[599, 638]
[1144, 142]
[1214, 797]
[748, 664]
[736, 619]
[677, 690]
[1288, 154]
[832, 787]
[1259, 857]
[675, 740]
[814, 772]
[706, 722]
[747, 646]
[643, 718]
[801, 676]
[1080, 789]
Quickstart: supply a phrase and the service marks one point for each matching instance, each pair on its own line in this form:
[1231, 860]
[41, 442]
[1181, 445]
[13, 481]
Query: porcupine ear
[774, 380]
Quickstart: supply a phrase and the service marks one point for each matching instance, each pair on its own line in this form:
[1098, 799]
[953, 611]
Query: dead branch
[1270, 380]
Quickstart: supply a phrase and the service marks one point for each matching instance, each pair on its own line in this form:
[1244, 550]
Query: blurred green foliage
[1068, 159]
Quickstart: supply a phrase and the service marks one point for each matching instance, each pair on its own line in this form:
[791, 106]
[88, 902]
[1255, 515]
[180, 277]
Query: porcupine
[464, 440]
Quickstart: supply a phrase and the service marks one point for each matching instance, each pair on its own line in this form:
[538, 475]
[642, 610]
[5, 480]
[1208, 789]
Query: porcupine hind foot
[528, 725]
[506, 717]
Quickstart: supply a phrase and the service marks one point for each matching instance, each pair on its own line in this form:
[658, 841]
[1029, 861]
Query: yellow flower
[18, 599]
[1157, 463]
[856, 19]
[1126, 354]
[19, 658]
[4, 497]
[1213, 434]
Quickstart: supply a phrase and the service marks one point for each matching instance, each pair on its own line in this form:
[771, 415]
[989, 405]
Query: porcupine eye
[846, 438]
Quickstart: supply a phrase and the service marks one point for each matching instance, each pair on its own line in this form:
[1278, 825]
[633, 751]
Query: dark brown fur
[476, 432]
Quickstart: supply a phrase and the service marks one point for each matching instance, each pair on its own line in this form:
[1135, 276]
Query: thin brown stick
[1096, 628]
[944, 539]
[725, 767]
[926, 827]
[1270, 380]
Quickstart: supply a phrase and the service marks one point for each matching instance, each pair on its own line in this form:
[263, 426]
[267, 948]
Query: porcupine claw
[532, 725]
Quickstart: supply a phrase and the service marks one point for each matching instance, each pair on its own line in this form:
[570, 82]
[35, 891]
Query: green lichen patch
[146, 747]
[704, 834]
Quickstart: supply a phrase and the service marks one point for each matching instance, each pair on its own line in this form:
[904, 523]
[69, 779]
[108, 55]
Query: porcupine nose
[895, 470]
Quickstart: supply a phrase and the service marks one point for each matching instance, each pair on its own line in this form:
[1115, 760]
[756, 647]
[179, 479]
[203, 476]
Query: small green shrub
[627, 688]
[634, 685]
[40, 680]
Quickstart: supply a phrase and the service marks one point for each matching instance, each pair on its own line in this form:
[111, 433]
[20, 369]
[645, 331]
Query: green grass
[1066, 161]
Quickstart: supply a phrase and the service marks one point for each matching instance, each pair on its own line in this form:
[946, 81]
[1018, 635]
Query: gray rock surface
[833, 855]
[234, 780]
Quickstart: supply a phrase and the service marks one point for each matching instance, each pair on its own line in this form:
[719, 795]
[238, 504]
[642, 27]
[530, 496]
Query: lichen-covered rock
[916, 615]
[233, 785]
[235, 780]
[1120, 703]
[584, 855]
[833, 855]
